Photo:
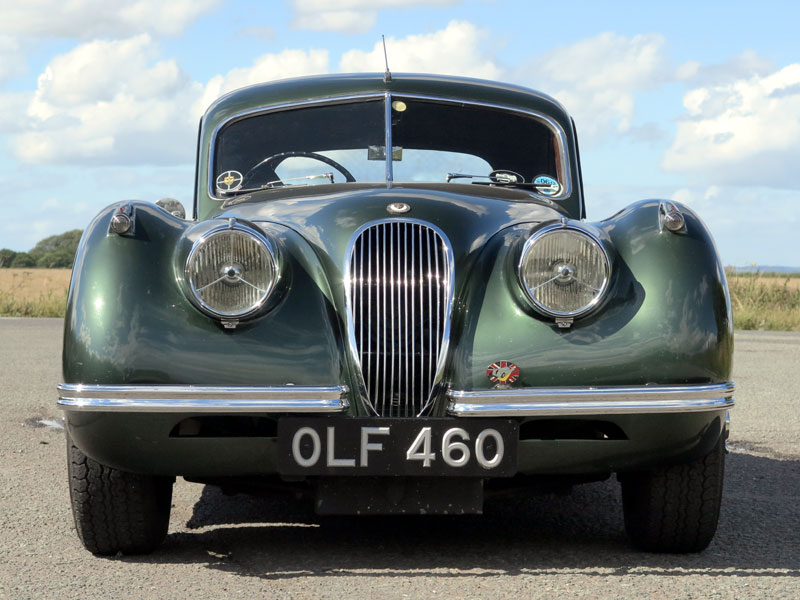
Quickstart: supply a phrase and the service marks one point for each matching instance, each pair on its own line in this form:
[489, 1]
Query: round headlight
[231, 271]
[564, 270]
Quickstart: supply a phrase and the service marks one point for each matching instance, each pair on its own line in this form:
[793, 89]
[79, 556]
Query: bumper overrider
[516, 402]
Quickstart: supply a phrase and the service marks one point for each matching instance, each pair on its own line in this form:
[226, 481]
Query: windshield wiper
[500, 177]
[451, 176]
[270, 185]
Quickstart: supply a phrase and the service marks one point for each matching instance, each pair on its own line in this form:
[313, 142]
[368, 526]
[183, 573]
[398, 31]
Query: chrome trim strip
[524, 402]
[555, 127]
[201, 399]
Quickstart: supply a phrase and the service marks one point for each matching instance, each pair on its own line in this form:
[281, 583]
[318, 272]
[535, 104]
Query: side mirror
[173, 207]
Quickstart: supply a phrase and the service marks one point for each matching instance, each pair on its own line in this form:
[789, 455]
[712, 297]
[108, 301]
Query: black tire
[675, 508]
[116, 511]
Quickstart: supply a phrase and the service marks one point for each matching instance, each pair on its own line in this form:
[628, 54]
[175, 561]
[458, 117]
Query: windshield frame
[559, 135]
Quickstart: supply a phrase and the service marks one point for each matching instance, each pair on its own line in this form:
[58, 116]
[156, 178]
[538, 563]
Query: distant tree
[23, 260]
[56, 251]
[67, 241]
[6, 258]
[56, 259]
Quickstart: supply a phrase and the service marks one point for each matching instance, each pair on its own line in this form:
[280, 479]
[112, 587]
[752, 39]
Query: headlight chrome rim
[234, 269]
[568, 270]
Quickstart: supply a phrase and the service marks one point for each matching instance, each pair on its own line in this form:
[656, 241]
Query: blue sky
[693, 101]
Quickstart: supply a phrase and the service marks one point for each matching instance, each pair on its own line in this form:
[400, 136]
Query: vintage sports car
[387, 295]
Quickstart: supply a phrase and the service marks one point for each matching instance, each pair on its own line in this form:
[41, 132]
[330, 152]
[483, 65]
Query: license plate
[407, 447]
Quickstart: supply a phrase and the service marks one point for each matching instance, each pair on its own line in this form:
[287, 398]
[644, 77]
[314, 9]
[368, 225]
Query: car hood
[468, 216]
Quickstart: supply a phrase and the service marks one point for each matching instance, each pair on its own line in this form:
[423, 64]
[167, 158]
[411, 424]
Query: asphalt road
[545, 547]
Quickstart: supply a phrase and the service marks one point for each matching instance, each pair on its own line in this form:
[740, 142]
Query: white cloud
[12, 60]
[12, 111]
[746, 131]
[114, 102]
[460, 49]
[597, 79]
[269, 67]
[742, 66]
[86, 19]
[109, 102]
[349, 16]
[100, 70]
[343, 21]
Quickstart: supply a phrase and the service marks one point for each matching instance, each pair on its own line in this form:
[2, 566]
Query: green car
[388, 296]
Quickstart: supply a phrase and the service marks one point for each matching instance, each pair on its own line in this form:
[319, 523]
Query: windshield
[432, 141]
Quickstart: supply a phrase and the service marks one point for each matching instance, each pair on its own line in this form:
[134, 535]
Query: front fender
[666, 318]
[129, 321]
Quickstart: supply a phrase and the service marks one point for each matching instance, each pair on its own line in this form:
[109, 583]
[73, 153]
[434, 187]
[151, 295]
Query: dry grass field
[792, 281]
[765, 301]
[33, 292]
[759, 300]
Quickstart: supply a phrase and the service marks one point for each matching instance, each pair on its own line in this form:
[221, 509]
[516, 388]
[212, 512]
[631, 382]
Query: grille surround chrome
[359, 314]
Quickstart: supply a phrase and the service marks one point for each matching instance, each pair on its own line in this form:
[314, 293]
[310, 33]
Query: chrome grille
[400, 278]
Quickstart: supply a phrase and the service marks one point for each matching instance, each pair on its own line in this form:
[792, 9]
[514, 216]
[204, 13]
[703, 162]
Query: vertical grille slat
[421, 345]
[357, 294]
[406, 373]
[399, 296]
[412, 383]
[369, 301]
[383, 322]
[430, 305]
[392, 318]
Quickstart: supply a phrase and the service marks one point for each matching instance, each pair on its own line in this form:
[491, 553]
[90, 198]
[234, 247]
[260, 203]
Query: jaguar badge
[398, 208]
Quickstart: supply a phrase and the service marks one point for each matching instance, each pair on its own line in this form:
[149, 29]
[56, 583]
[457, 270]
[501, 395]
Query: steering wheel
[271, 163]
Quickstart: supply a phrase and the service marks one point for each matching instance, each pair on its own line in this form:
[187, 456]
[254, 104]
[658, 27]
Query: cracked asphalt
[542, 547]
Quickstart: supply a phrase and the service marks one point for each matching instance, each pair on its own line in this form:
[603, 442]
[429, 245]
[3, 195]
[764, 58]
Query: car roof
[345, 84]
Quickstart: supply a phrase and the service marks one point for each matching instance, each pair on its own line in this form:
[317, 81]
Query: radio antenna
[387, 76]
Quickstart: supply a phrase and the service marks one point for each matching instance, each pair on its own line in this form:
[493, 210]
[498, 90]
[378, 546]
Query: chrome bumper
[201, 399]
[519, 402]
[524, 402]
